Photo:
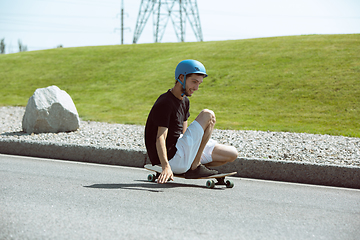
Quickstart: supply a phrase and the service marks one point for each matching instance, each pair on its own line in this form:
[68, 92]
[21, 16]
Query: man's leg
[222, 154]
[207, 120]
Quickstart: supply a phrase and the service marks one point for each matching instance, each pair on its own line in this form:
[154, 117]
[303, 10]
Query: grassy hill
[299, 83]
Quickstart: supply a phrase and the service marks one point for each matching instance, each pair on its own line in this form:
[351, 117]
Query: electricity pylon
[162, 10]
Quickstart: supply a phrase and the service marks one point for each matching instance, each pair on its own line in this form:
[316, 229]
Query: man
[168, 139]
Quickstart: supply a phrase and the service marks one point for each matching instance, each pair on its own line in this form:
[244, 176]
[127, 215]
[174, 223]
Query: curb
[298, 172]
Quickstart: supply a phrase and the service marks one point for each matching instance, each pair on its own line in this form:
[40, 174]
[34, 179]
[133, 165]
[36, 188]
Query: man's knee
[206, 118]
[227, 153]
[209, 113]
[233, 154]
[223, 154]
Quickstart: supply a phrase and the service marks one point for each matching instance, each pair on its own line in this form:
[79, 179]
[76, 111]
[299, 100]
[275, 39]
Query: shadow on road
[142, 185]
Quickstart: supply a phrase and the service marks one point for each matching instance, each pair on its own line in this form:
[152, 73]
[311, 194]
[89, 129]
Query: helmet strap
[183, 84]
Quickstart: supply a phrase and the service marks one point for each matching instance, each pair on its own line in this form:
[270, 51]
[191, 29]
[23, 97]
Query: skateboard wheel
[210, 184]
[229, 184]
[151, 178]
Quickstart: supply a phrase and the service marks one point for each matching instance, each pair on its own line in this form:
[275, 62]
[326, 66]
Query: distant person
[168, 139]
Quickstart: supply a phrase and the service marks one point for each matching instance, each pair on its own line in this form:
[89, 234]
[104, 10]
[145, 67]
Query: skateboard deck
[209, 184]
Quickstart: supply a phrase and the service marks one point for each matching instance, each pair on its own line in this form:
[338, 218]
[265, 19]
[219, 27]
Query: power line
[55, 31]
[41, 24]
[111, 4]
[239, 14]
[50, 16]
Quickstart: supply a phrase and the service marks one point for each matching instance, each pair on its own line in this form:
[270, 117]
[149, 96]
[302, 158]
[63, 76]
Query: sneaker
[199, 172]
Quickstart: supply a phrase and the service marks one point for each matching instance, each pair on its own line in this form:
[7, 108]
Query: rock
[50, 110]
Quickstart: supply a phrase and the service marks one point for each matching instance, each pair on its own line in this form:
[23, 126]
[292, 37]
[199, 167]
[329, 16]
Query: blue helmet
[189, 66]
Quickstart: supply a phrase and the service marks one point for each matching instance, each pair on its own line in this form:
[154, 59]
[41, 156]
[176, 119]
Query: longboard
[209, 184]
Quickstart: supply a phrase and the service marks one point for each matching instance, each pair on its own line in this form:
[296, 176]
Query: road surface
[52, 199]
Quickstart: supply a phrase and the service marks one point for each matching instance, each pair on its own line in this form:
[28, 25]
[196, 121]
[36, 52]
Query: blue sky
[44, 24]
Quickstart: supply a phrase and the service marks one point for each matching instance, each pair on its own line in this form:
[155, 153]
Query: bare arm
[185, 124]
[161, 150]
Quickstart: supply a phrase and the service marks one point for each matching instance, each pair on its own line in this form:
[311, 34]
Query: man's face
[192, 83]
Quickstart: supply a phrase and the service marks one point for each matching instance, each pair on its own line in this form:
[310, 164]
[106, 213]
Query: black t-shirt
[170, 112]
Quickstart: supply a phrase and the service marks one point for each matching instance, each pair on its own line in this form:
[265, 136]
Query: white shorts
[187, 148]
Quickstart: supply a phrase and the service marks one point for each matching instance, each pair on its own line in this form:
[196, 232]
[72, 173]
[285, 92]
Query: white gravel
[301, 147]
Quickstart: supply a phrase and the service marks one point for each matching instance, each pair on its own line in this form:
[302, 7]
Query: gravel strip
[300, 147]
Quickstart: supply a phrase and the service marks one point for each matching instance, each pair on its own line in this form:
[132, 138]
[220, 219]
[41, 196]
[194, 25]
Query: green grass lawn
[300, 83]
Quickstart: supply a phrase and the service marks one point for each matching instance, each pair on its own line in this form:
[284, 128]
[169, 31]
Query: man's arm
[162, 153]
[185, 124]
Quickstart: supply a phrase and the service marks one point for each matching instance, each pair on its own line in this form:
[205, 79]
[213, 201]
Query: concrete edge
[319, 174]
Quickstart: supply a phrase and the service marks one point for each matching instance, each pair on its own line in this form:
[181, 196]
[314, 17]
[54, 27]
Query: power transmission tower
[121, 23]
[163, 10]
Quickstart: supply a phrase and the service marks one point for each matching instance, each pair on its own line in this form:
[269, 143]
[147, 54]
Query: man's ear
[181, 77]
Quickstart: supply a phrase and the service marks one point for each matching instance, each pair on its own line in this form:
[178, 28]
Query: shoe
[199, 172]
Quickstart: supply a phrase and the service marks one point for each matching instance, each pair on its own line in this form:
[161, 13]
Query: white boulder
[50, 110]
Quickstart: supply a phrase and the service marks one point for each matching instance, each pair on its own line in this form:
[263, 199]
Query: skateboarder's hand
[166, 175]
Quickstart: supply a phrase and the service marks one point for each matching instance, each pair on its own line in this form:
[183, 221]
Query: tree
[22, 48]
[2, 46]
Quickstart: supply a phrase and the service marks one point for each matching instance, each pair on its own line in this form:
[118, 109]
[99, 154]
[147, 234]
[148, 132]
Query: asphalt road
[51, 199]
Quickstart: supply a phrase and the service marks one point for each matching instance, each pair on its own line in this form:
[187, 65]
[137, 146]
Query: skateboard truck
[220, 181]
